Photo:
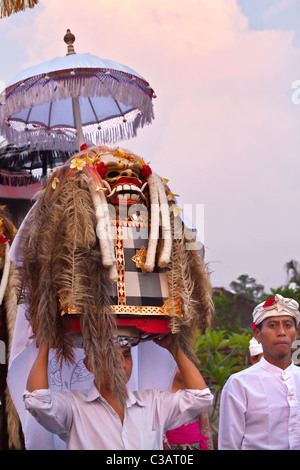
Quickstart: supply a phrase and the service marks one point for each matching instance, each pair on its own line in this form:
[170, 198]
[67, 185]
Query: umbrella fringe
[68, 142]
[11, 180]
[12, 159]
[37, 90]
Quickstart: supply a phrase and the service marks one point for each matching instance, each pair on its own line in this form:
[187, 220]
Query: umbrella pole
[77, 120]
[69, 39]
[45, 164]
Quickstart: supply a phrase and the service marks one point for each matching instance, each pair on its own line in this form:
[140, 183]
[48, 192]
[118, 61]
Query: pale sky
[226, 132]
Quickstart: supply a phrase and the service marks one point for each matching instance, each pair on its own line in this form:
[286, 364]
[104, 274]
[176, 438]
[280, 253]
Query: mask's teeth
[113, 192]
[143, 187]
[106, 184]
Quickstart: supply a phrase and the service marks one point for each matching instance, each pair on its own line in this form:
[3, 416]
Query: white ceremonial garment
[260, 409]
[153, 367]
[85, 421]
[76, 377]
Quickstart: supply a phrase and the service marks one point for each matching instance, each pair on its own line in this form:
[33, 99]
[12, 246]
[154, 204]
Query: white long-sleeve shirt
[86, 421]
[260, 409]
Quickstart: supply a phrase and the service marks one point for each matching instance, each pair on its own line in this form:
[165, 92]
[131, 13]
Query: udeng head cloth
[122, 336]
[127, 336]
[255, 347]
[276, 306]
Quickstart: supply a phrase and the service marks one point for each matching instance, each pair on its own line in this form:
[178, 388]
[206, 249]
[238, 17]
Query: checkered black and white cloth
[150, 289]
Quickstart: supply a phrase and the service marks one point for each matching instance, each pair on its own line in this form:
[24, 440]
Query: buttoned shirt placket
[116, 418]
[122, 426]
[293, 423]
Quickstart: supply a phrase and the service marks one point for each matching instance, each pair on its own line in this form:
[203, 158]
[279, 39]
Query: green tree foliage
[292, 287]
[247, 286]
[221, 353]
[287, 291]
[224, 311]
[293, 272]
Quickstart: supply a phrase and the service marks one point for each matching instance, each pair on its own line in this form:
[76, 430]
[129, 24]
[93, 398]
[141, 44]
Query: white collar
[94, 394]
[274, 369]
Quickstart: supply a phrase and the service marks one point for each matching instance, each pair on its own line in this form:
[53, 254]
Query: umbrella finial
[69, 39]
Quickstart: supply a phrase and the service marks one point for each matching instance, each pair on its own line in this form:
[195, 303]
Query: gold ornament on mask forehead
[119, 153]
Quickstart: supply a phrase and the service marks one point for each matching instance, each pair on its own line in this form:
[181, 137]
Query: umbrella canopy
[8, 7]
[22, 166]
[75, 99]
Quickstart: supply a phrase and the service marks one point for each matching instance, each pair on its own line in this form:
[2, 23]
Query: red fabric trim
[147, 325]
[75, 324]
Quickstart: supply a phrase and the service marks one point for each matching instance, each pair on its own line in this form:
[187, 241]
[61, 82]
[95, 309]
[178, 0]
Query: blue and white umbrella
[75, 99]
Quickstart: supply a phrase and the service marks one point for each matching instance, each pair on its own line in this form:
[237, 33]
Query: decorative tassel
[102, 230]
[15, 180]
[104, 234]
[154, 227]
[61, 86]
[68, 142]
[165, 254]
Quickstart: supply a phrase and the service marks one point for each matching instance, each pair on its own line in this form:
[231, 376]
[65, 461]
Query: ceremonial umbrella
[79, 98]
[21, 166]
[8, 7]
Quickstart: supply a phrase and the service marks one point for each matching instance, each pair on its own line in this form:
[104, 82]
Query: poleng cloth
[137, 292]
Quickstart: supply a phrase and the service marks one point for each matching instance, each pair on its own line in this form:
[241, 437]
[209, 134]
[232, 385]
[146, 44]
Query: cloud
[278, 8]
[225, 133]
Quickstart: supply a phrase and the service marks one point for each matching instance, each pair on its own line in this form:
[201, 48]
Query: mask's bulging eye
[112, 174]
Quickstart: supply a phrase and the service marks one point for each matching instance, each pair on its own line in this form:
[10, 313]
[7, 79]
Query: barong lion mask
[75, 260]
[123, 179]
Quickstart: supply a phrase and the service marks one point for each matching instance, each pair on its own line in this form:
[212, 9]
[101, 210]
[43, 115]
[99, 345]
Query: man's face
[126, 360]
[277, 335]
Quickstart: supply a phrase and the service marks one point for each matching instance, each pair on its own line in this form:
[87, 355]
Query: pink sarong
[187, 434]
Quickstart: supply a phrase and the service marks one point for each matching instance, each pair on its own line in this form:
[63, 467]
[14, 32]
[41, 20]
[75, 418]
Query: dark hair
[257, 356]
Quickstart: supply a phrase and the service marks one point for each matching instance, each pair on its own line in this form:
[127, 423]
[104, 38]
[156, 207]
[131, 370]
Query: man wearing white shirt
[260, 406]
[93, 419]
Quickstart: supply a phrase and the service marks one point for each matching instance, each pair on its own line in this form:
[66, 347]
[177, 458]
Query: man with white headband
[95, 420]
[260, 405]
[255, 351]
